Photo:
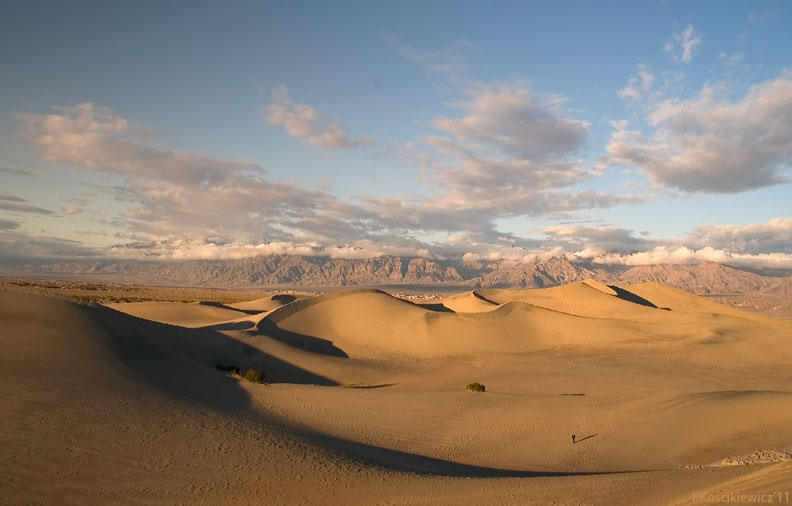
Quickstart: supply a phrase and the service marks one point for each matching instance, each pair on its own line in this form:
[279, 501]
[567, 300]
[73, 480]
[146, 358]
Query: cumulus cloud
[96, 138]
[482, 175]
[709, 144]
[302, 122]
[173, 198]
[603, 238]
[517, 121]
[754, 245]
[507, 155]
[774, 236]
[246, 210]
[683, 44]
[685, 255]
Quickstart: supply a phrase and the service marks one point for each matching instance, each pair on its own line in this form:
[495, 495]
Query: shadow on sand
[584, 438]
[410, 462]
[302, 341]
[224, 306]
[181, 362]
[630, 297]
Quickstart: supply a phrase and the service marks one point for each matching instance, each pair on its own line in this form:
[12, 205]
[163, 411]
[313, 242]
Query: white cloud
[96, 138]
[508, 155]
[775, 236]
[685, 255]
[754, 245]
[302, 122]
[710, 144]
[683, 44]
[71, 210]
[608, 238]
[517, 121]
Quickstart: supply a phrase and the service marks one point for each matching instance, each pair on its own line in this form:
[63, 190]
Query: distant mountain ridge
[320, 272]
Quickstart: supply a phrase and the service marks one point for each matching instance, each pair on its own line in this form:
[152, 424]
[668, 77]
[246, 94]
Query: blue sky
[620, 133]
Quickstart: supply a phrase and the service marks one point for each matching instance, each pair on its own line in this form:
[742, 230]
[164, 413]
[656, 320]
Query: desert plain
[672, 399]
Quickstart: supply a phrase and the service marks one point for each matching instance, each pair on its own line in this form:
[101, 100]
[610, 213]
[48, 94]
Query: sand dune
[370, 323]
[366, 401]
[267, 303]
[178, 313]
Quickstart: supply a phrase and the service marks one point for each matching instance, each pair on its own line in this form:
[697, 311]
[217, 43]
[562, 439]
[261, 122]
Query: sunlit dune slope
[179, 313]
[373, 323]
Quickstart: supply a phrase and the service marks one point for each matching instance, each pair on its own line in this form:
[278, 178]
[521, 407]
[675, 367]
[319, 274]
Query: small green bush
[255, 375]
[475, 387]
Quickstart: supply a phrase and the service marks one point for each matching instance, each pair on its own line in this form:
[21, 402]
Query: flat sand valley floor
[673, 399]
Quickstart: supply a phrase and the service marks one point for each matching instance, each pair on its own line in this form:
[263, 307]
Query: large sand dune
[366, 401]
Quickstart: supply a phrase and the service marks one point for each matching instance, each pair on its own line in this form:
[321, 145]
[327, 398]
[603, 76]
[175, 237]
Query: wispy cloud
[638, 87]
[303, 123]
[683, 44]
[9, 225]
[450, 62]
[24, 171]
[8, 166]
[731, 59]
[18, 205]
[18, 246]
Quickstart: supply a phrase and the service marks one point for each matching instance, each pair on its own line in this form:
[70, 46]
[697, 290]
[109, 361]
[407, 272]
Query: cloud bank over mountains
[500, 152]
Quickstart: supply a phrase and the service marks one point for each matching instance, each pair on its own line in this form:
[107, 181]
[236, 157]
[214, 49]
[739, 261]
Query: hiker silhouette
[573, 439]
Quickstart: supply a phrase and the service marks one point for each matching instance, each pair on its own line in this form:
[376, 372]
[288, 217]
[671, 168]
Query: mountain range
[705, 278]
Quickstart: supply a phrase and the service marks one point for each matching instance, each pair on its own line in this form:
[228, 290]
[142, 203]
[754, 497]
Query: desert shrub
[475, 387]
[230, 369]
[255, 375]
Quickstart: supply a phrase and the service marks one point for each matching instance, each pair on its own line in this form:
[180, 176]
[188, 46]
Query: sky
[619, 133]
